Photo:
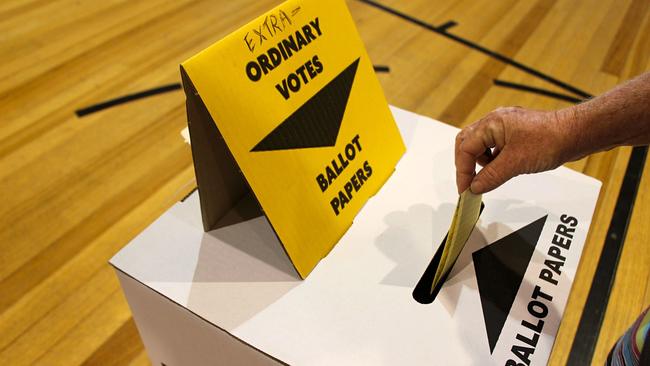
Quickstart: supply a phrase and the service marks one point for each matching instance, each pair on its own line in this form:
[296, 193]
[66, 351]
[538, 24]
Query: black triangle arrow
[317, 122]
[500, 268]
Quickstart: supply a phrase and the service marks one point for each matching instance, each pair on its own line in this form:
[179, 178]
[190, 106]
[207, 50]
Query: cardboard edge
[117, 269]
[218, 176]
[200, 123]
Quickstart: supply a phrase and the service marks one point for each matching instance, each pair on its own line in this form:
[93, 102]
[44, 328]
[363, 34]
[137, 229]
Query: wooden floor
[76, 190]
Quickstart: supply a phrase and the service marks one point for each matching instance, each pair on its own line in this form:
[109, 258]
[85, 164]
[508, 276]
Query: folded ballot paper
[465, 217]
[468, 210]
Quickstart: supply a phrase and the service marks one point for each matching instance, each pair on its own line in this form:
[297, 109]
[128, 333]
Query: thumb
[494, 174]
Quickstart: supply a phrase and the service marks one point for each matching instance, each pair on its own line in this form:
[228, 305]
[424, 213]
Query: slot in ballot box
[231, 295]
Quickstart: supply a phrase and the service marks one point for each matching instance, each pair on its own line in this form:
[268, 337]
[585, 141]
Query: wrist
[568, 127]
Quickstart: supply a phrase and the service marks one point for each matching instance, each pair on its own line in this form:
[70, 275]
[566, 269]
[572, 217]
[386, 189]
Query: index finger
[471, 144]
[464, 170]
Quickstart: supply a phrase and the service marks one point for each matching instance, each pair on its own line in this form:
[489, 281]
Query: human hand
[509, 142]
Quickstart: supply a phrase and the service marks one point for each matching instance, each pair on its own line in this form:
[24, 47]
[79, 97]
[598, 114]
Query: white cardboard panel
[356, 307]
[173, 335]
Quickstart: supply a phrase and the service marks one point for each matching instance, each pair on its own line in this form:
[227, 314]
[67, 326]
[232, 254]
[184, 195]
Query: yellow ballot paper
[467, 212]
[289, 105]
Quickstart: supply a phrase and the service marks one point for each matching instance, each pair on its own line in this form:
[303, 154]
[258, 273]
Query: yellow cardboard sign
[296, 100]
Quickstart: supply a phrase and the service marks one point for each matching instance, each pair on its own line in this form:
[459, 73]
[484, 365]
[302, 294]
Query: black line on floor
[441, 31]
[448, 25]
[540, 91]
[591, 321]
[155, 91]
[127, 98]
[381, 68]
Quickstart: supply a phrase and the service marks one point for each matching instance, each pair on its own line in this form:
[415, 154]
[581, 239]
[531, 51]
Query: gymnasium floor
[77, 189]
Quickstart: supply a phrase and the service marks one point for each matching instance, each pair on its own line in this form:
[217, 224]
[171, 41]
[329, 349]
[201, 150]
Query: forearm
[618, 117]
[527, 141]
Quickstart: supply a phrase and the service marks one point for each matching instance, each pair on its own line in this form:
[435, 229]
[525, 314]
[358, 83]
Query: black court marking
[127, 98]
[155, 91]
[584, 343]
[381, 68]
[442, 31]
[448, 25]
[531, 89]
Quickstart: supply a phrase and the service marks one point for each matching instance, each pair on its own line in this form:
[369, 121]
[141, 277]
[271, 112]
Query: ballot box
[231, 296]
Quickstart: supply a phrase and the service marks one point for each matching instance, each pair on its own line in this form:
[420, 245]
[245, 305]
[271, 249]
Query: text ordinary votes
[283, 50]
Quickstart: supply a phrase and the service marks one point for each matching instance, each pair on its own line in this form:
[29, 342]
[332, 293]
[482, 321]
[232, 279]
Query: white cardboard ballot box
[231, 296]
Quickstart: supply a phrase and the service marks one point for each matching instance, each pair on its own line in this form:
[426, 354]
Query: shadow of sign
[242, 262]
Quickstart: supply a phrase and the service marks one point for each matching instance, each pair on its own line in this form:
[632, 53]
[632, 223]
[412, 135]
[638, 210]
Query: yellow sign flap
[296, 100]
